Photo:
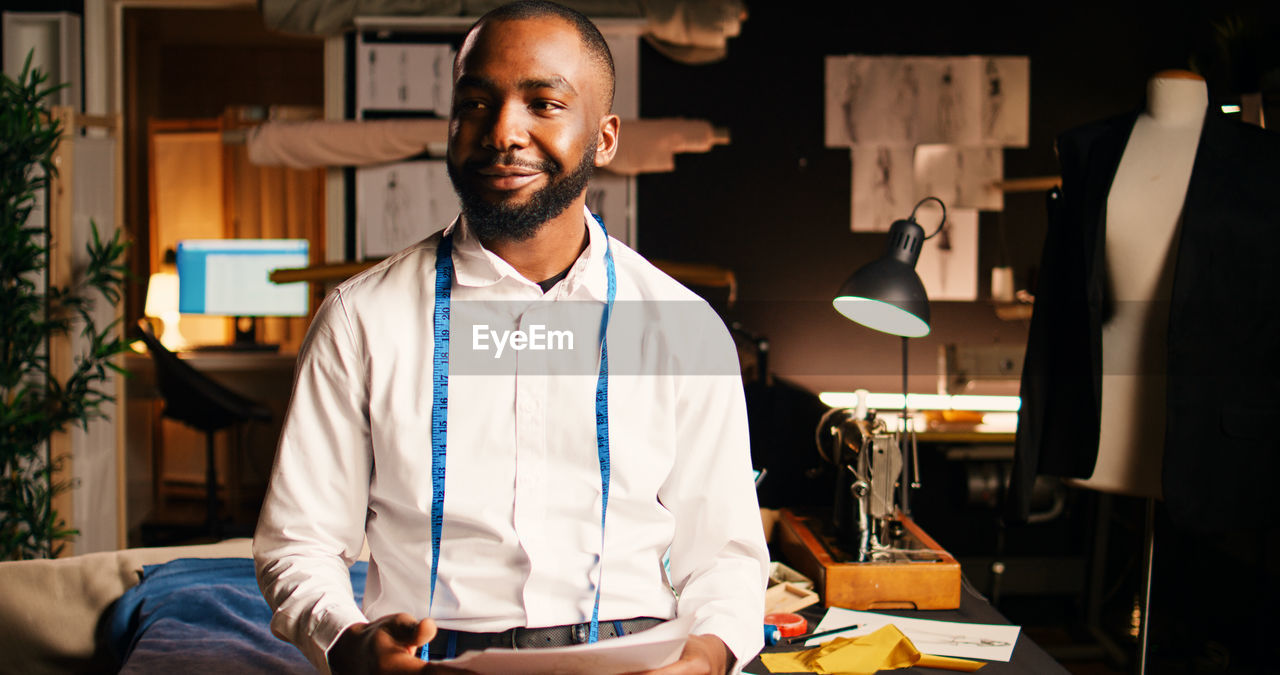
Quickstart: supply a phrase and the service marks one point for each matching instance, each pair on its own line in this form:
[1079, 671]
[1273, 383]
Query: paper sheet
[948, 265]
[960, 177]
[400, 204]
[944, 638]
[653, 648]
[883, 186]
[392, 76]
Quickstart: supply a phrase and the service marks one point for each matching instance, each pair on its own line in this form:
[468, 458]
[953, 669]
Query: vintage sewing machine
[868, 554]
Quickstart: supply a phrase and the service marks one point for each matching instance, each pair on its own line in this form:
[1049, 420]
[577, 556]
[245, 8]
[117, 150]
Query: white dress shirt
[521, 540]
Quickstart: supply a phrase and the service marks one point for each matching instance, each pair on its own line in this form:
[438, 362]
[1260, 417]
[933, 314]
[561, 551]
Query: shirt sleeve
[719, 563]
[311, 527]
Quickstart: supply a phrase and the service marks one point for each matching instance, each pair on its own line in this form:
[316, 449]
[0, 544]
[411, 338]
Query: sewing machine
[869, 554]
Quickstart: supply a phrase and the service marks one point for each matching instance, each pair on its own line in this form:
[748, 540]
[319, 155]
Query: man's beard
[502, 220]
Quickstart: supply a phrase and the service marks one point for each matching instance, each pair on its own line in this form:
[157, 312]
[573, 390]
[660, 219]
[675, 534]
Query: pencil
[823, 633]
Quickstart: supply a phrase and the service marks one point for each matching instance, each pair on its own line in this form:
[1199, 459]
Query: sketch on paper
[955, 112]
[399, 204]
[1006, 100]
[945, 638]
[948, 263]
[391, 76]
[960, 177]
[955, 85]
[907, 100]
[883, 186]
[872, 100]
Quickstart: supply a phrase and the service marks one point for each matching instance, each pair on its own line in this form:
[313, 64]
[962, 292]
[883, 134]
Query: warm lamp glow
[162, 303]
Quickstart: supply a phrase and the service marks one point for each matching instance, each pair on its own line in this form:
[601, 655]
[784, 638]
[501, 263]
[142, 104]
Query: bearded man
[511, 502]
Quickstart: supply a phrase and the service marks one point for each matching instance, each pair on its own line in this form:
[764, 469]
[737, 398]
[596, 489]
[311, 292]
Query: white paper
[883, 187]
[948, 264]
[1006, 100]
[392, 76]
[941, 638]
[399, 204]
[962, 177]
[659, 646]
[872, 100]
[907, 100]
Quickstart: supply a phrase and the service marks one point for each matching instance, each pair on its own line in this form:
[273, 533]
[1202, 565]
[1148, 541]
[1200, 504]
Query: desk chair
[199, 402]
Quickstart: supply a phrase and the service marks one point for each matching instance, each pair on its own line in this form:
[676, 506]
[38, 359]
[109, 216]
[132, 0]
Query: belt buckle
[580, 632]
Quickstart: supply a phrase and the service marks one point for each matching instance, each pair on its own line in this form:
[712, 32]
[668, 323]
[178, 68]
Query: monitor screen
[229, 277]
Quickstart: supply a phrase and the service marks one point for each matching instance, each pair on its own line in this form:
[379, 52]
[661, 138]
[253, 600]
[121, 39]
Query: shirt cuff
[743, 645]
[325, 630]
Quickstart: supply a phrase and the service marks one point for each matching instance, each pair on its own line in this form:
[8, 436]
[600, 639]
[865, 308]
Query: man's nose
[507, 128]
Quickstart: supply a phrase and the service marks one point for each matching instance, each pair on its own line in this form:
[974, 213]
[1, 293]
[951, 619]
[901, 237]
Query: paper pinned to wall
[873, 100]
[962, 177]
[909, 100]
[949, 116]
[399, 204]
[883, 186]
[948, 264]
[404, 76]
[1006, 100]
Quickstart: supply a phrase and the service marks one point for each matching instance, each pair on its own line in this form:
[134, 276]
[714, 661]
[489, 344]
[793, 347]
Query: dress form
[1144, 210]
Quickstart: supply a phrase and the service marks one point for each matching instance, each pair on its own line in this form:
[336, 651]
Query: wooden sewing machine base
[929, 579]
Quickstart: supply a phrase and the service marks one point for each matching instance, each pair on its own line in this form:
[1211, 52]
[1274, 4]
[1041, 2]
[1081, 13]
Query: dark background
[773, 206]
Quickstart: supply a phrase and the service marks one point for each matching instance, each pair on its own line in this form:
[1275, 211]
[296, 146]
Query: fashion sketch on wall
[404, 77]
[399, 204]
[948, 264]
[883, 186]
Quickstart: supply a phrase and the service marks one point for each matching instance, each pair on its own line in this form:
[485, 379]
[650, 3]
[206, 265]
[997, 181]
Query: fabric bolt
[201, 616]
[323, 143]
[521, 538]
[647, 146]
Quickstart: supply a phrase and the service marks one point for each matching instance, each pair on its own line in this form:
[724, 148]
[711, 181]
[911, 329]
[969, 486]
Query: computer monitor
[230, 277]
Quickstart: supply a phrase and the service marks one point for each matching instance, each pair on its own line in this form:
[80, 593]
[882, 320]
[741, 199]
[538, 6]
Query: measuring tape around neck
[440, 408]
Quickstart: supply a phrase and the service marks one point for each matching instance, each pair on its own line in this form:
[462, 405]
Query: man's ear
[607, 146]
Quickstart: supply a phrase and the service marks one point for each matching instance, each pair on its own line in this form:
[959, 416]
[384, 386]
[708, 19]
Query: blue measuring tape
[440, 409]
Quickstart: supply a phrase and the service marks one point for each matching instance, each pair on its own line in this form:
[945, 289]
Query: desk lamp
[887, 295]
[162, 303]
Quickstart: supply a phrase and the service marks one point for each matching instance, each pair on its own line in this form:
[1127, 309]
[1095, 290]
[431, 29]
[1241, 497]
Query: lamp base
[919, 574]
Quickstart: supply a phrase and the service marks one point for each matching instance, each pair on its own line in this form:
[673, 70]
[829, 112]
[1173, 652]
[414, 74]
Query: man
[507, 500]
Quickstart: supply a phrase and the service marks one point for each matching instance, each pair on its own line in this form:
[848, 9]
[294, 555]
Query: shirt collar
[475, 265]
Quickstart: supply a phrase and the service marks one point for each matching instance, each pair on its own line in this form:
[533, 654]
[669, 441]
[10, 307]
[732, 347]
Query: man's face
[527, 123]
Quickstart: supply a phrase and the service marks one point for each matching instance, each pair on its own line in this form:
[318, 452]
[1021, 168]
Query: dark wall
[774, 205]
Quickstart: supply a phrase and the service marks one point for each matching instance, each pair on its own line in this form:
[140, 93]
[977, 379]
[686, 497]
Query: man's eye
[546, 106]
[470, 104]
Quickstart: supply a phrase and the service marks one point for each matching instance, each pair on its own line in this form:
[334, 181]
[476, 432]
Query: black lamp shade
[887, 294]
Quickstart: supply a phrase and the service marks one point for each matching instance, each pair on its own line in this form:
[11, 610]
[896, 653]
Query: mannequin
[1143, 214]
[1125, 200]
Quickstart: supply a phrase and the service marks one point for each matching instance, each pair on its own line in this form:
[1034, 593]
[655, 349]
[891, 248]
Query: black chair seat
[196, 400]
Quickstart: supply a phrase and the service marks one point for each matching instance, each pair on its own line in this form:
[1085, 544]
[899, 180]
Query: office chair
[192, 398]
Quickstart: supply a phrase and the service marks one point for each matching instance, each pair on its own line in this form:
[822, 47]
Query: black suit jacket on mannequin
[1222, 435]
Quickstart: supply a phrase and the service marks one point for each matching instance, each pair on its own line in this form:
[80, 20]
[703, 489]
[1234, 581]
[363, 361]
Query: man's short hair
[591, 38]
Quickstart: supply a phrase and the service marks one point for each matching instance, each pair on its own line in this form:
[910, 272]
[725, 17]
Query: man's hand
[388, 645]
[702, 655]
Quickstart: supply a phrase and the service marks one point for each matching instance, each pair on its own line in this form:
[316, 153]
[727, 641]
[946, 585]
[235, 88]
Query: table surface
[1028, 657]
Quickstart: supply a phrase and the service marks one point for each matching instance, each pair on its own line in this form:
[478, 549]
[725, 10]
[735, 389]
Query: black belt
[532, 638]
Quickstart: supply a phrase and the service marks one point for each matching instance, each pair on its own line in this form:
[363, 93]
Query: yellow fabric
[885, 649]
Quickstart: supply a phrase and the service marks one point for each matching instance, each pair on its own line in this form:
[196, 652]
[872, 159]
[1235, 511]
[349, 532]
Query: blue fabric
[194, 616]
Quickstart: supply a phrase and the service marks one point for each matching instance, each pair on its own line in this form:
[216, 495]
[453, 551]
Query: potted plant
[34, 403]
